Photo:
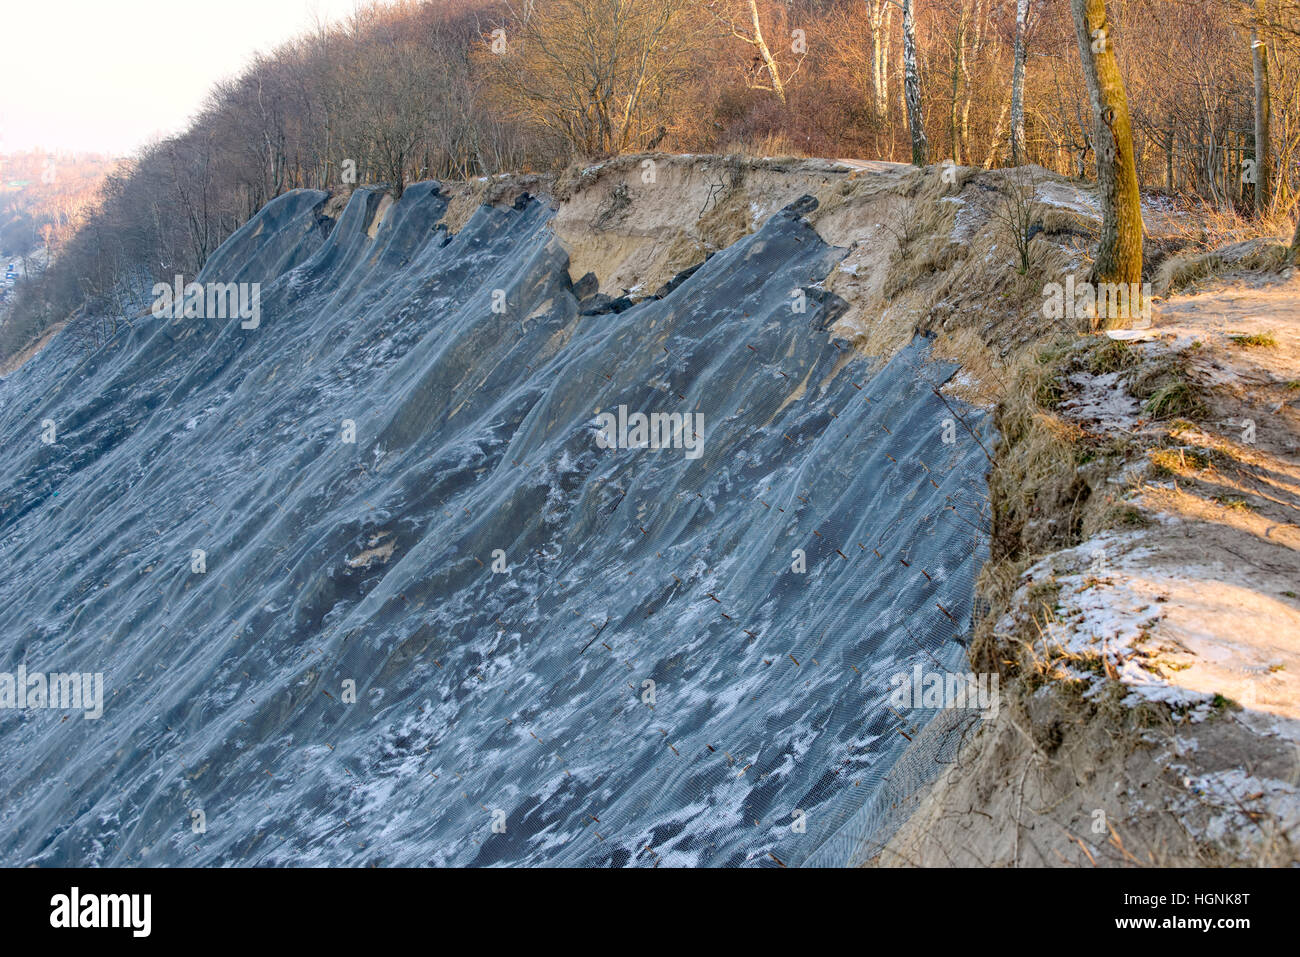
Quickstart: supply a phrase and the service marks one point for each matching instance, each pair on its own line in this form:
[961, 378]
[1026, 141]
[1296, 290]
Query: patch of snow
[1102, 400]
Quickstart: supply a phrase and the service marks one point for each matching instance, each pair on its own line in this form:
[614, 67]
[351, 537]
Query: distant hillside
[44, 197]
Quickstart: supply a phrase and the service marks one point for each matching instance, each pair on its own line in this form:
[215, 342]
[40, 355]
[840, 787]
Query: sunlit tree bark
[1119, 254]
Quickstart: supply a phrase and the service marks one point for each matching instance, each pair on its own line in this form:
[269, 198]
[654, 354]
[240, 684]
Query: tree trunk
[1169, 159]
[1119, 254]
[1263, 111]
[976, 53]
[1294, 255]
[996, 138]
[773, 70]
[1018, 87]
[912, 89]
[959, 55]
[881, 16]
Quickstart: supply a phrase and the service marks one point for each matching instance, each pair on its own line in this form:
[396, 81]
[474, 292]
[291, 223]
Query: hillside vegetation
[455, 90]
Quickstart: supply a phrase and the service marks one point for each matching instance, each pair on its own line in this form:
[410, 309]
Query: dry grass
[1166, 390]
[984, 375]
[1111, 355]
[1037, 493]
[1186, 270]
[1261, 340]
[1054, 485]
[1178, 461]
[1205, 227]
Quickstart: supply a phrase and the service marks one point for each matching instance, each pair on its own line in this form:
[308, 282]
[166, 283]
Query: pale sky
[106, 75]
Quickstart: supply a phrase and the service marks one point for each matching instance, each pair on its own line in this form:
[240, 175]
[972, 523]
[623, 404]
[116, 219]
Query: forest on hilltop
[456, 89]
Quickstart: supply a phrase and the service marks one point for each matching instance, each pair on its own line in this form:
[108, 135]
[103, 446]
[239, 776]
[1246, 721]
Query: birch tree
[912, 89]
[740, 18]
[1018, 86]
[880, 14]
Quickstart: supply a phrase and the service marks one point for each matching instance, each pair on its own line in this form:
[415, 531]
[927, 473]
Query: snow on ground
[1175, 633]
[1198, 609]
[1241, 798]
[1102, 401]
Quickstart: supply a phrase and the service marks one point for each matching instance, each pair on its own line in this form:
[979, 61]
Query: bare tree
[600, 74]
[403, 75]
[191, 168]
[740, 19]
[1280, 20]
[1017, 213]
[1263, 114]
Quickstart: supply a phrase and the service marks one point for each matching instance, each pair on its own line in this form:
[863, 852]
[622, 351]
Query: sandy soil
[1186, 748]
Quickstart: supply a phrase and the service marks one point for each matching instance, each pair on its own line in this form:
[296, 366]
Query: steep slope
[1150, 653]
[562, 653]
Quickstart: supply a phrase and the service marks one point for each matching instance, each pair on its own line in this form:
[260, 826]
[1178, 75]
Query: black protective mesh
[519, 692]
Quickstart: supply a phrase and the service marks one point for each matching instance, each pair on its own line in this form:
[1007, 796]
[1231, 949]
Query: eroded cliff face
[1145, 616]
[366, 582]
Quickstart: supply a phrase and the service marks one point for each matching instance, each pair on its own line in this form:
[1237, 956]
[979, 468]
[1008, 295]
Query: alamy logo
[213, 300]
[57, 691]
[658, 430]
[102, 910]
[1113, 300]
[944, 690]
